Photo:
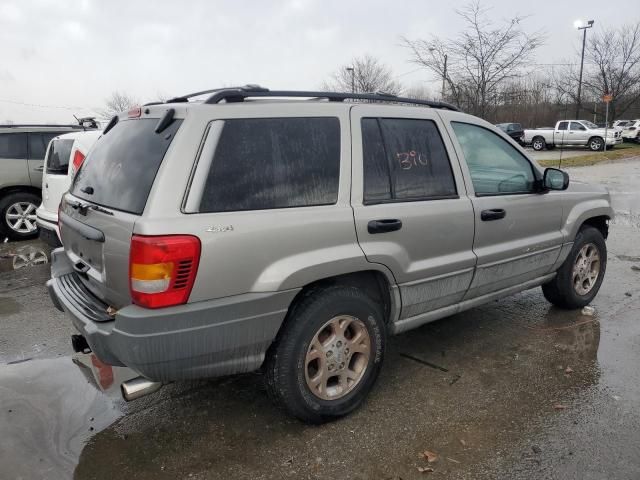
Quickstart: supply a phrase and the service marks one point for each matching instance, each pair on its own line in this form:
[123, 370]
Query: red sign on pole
[607, 97]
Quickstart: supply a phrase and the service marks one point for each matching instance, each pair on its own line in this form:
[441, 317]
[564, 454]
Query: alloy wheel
[337, 357]
[21, 217]
[586, 269]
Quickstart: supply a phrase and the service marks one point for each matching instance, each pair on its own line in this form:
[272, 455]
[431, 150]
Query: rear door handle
[384, 225]
[39, 169]
[492, 214]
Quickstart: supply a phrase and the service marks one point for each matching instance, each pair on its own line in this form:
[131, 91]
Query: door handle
[39, 169]
[384, 225]
[492, 214]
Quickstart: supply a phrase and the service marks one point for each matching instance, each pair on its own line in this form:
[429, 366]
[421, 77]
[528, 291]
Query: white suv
[64, 157]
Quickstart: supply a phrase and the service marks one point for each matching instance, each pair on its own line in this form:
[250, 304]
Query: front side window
[577, 126]
[265, 163]
[496, 167]
[404, 160]
[13, 145]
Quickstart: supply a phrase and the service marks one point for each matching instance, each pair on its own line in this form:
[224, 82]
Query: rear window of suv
[123, 164]
[58, 156]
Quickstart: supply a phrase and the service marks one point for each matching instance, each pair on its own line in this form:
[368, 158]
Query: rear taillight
[78, 158]
[162, 269]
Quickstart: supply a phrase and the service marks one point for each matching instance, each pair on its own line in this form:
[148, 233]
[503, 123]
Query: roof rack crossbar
[240, 94]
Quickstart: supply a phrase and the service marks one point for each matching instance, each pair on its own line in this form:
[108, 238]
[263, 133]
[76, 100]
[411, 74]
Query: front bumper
[614, 141]
[196, 340]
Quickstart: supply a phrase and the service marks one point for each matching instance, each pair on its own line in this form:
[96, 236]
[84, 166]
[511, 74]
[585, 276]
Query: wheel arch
[4, 191]
[375, 283]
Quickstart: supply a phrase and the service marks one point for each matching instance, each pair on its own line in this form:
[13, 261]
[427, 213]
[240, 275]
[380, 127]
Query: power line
[36, 105]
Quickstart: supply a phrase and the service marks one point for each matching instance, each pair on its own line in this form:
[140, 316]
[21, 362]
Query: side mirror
[555, 179]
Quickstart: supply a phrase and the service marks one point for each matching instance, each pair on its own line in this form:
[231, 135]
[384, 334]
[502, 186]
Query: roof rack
[239, 94]
[38, 125]
[185, 98]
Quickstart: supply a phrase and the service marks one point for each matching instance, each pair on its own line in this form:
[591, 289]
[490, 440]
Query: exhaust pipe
[138, 387]
[79, 344]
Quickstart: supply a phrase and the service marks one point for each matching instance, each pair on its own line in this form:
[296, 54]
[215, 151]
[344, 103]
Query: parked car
[621, 123]
[223, 236]
[514, 130]
[573, 133]
[64, 157]
[22, 151]
[631, 132]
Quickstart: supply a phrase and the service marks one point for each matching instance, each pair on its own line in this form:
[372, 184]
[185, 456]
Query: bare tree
[615, 55]
[116, 103]
[364, 74]
[418, 91]
[479, 59]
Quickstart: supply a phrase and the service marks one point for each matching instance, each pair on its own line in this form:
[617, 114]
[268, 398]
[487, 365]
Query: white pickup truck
[573, 133]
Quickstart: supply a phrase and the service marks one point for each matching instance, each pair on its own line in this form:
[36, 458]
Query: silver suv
[294, 231]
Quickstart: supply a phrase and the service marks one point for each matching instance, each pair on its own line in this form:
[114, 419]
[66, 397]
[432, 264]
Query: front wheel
[596, 144]
[328, 354]
[579, 278]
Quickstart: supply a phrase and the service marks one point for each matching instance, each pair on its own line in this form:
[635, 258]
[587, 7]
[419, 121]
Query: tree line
[488, 69]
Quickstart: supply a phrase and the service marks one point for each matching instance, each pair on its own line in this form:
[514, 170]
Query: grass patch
[622, 151]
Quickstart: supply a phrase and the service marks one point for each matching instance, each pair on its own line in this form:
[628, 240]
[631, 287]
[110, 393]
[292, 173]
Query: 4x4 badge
[220, 228]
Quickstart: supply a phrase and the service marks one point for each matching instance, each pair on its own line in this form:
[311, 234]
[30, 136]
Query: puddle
[50, 408]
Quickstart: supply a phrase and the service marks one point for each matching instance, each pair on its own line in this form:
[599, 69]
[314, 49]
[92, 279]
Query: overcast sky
[74, 53]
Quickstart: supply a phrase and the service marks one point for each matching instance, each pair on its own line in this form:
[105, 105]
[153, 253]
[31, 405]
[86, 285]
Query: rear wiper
[83, 207]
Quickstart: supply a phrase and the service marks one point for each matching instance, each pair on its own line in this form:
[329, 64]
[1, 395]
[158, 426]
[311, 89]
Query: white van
[64, 157]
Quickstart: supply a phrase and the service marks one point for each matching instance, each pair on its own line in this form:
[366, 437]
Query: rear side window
[58, 156]
[38, 144]
[13, 145]
[122, 165]
[264, 163]
[404, 160]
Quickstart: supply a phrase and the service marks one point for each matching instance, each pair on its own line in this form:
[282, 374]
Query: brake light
[162, 269]
[78, 159]
[135, 112]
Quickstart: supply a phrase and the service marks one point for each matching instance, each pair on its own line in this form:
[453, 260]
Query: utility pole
[353, 83]
[444, 77]
[578, 24]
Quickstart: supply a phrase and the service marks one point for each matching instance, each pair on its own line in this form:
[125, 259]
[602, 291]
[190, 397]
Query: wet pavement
[512, 389]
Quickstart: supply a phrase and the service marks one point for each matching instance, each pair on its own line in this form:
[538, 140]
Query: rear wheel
[596, 144]
[18, 216]
[538, 143]
[328, 354]
[579, 278]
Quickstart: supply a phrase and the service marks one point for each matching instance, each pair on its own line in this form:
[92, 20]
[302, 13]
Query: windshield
[120, 169]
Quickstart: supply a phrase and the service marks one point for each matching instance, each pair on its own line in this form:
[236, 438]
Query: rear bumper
[197, 340]
[48, 225]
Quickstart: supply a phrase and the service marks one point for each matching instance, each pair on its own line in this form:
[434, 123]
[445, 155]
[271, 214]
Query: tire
[16, 204]
[289, 372]
[538, 144]
[567, 290]
[596, 144]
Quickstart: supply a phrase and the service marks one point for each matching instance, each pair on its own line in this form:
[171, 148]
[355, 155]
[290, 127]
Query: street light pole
[579, 26]
[353, 84]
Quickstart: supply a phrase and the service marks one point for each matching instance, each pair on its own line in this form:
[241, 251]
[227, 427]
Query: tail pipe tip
[138, 387]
